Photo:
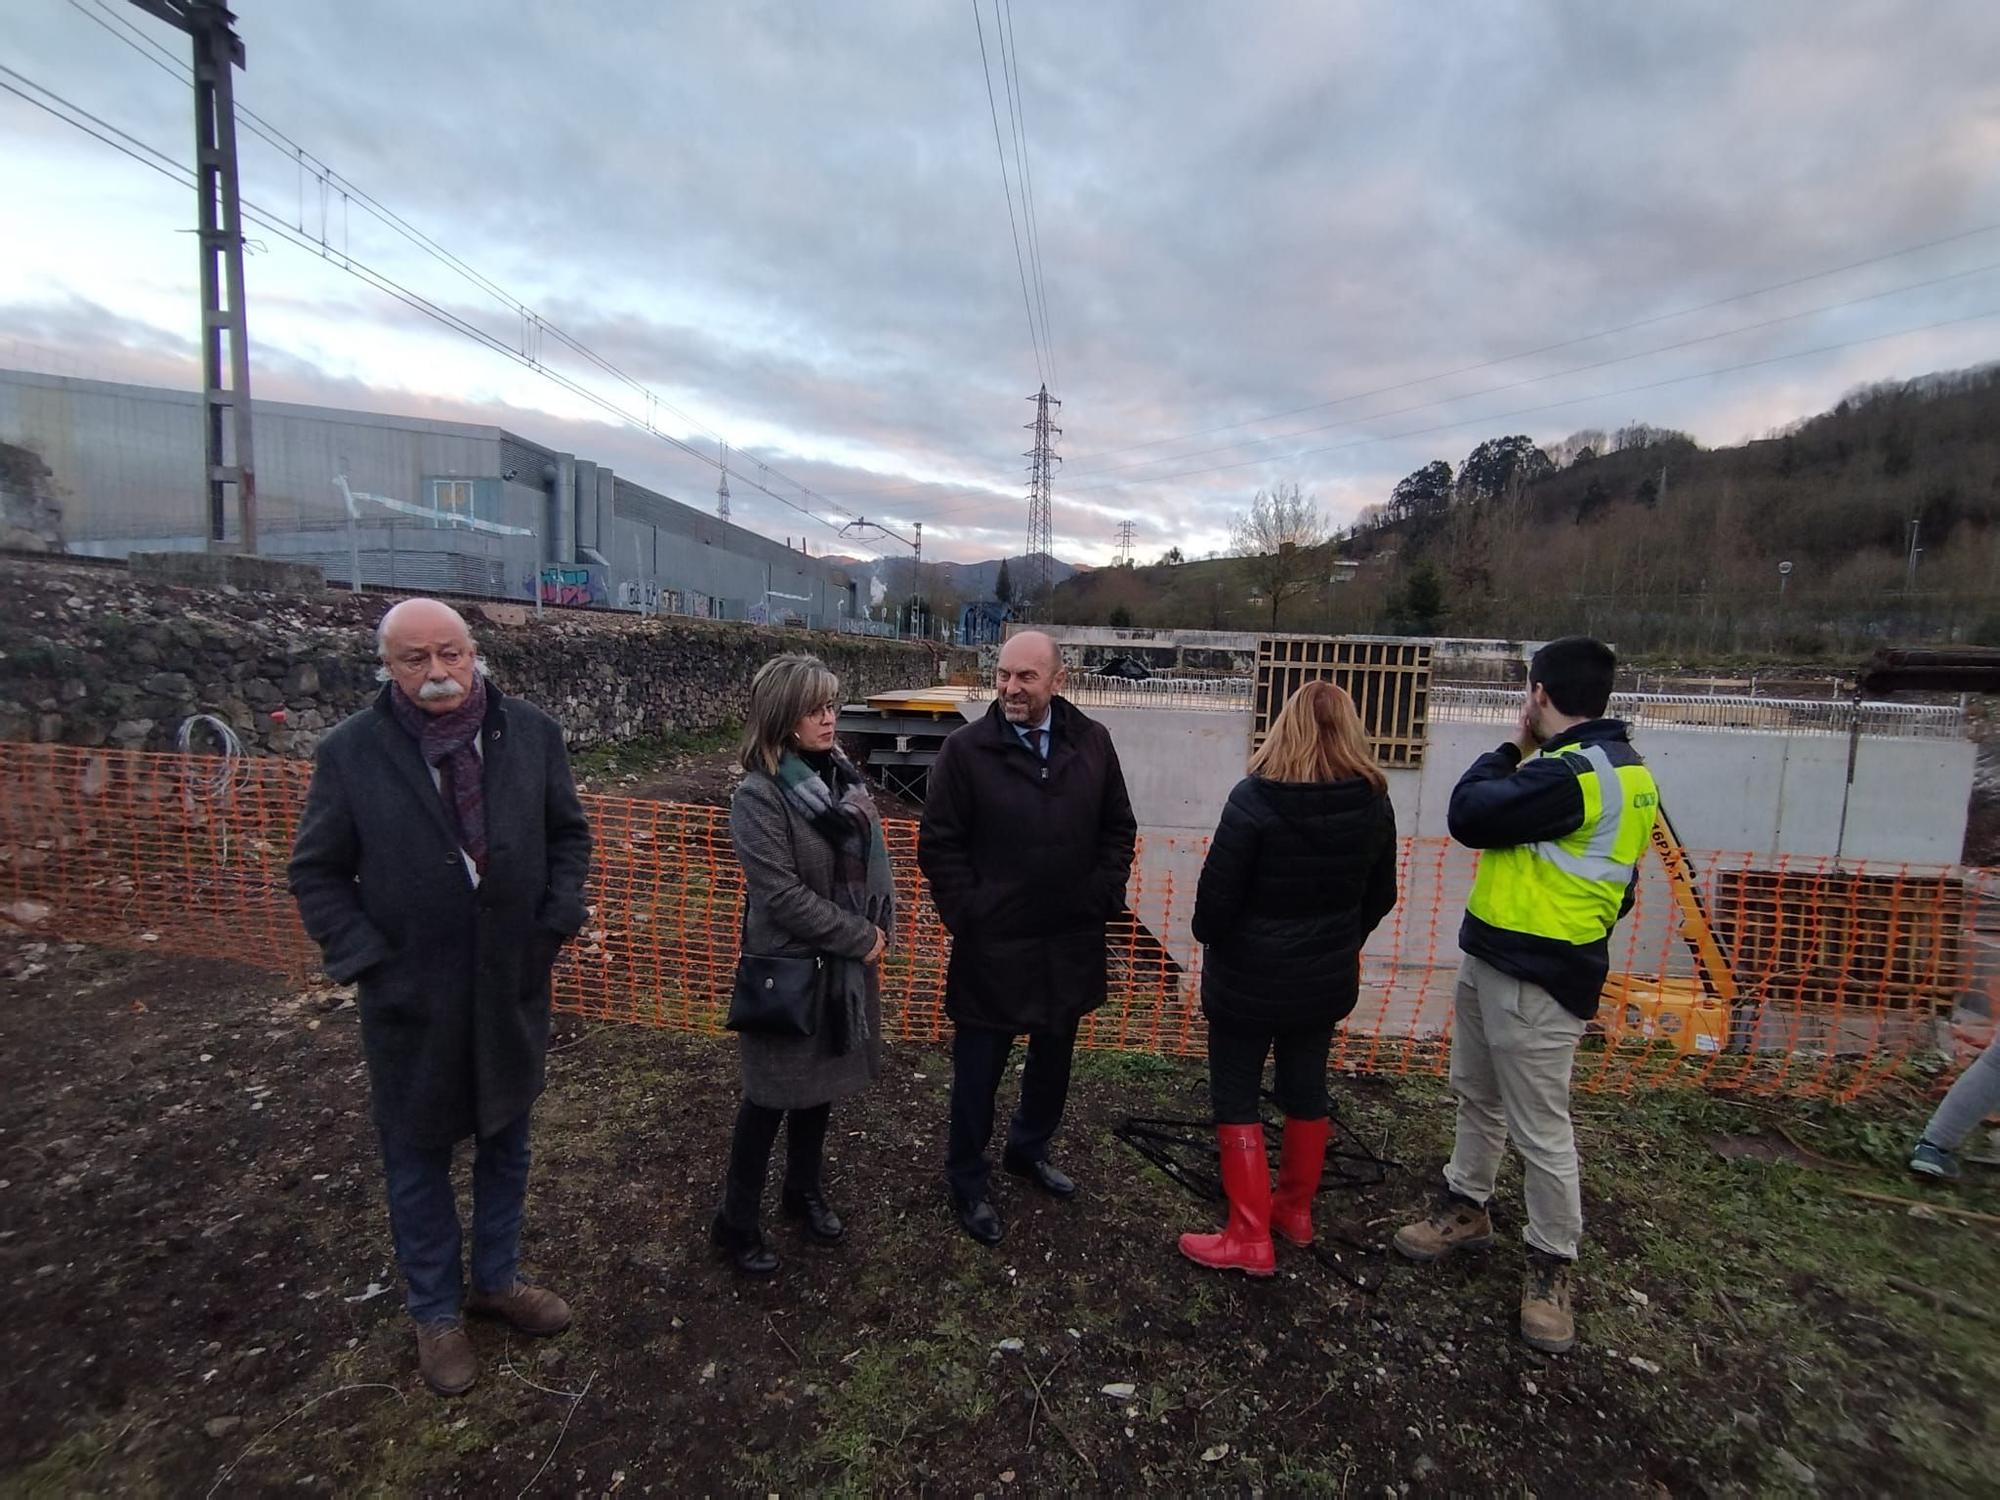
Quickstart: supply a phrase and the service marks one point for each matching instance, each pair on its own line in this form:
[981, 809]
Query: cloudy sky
[1311, 243]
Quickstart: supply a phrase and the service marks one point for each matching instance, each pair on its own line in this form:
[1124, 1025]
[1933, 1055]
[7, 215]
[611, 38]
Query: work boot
[1245, 1241]
[1455, 1222]
[534, 1310]
[1299, 1164]
[1546, 1321]
[445, 1357]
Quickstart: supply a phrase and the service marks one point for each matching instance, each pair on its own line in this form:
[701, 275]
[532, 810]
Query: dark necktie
[1035, 743]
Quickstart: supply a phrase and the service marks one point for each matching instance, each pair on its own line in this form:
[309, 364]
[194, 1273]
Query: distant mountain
[962, 582]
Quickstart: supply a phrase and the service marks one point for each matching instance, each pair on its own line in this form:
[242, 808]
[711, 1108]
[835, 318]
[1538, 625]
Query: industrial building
[408, 503]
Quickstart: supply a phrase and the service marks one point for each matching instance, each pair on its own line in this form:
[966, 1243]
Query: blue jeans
[423, 1218]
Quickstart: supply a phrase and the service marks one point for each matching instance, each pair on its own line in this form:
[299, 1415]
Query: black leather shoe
[821, 1223]
[981, 1221]
[745, 1248]
[1050, 1180]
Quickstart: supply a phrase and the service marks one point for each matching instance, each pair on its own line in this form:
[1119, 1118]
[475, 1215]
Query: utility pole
[1910, 570]
[862, 526]
[225, 387]
[1125, 530]
[722, 487]
[1042, 461]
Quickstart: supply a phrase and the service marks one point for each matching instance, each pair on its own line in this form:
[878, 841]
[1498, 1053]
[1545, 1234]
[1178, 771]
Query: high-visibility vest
[1570, 889]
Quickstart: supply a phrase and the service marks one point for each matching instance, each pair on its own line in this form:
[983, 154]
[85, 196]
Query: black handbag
[777, 996]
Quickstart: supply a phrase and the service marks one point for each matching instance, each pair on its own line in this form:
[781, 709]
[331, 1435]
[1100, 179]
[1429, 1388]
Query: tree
[1003, 584]
[1173, 557]
[1578, 447]
[1121, 618]
[1277, 539]
[1500, 467]
[1595, 498]
[1425, 493]
[1418, 607]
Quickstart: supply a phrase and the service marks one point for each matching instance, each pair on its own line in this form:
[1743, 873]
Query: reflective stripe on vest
[1570, 889]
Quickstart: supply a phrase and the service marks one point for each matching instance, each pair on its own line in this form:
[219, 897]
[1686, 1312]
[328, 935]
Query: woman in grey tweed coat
[818, 884]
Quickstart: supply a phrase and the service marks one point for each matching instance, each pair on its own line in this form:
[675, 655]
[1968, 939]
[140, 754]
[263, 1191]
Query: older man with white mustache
[440, 862]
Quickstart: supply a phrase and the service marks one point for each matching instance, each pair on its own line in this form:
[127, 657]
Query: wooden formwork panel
[1840, 938]
[1389, 681]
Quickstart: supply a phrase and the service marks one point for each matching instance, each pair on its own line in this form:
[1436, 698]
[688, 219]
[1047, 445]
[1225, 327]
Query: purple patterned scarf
[449, 742]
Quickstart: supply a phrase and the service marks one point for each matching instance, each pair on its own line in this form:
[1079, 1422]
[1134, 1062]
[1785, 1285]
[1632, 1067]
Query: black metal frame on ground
[1185, 1150]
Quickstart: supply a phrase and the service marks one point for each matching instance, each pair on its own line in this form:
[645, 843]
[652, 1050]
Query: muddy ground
[194, 1245]
[699, 769]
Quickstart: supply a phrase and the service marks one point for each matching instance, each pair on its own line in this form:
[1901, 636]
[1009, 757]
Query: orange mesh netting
[1828, 975]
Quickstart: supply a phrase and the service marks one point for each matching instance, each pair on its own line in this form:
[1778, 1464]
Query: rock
[301, 680]
[221, 1427]
[1216, 1454]
[169, 685]
[131, 734]
[1119, 1390]
[1793, 1468]
[1010, 1346]
[1424, 1467]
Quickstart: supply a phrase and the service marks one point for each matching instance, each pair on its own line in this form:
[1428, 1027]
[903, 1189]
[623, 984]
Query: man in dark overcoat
[1027, 842]
[440, 864]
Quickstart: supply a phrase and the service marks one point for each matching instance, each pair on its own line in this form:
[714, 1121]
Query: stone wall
[30, 513]
[95, 656]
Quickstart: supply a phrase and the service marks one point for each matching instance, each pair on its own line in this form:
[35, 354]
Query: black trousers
[978, 1059]
[1236, 1071]
[750, 1156]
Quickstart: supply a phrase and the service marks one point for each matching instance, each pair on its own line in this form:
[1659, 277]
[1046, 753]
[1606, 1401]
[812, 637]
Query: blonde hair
[1317, 738]
[784, 691]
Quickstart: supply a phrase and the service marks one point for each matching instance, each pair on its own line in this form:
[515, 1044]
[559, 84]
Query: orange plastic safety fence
[1840, 970]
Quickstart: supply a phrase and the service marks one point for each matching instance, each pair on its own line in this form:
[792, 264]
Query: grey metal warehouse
[445, 506]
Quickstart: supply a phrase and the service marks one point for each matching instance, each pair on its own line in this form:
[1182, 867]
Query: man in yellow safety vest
[1561, 815]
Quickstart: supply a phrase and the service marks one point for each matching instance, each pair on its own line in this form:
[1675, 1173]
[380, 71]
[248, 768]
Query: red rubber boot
[1245, 1242]
[1298, 1179]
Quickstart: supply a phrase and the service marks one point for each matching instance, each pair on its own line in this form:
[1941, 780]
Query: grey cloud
[792, 215]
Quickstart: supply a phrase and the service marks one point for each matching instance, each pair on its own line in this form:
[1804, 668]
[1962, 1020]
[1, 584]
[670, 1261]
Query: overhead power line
[1582, 338]
[534, 325]
[933, 516]
[879, 492]
[1512, 385]
[1017, 97]
[1020, 263]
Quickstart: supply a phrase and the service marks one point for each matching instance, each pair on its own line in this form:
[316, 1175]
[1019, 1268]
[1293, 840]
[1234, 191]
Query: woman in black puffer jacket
[1301, 870]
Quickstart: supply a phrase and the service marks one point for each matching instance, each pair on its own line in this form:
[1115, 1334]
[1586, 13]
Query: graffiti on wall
[574, 585]
[643, 596]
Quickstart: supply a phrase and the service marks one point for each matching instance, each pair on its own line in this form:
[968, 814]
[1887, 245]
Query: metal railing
[1831, 716]
[1159, 692]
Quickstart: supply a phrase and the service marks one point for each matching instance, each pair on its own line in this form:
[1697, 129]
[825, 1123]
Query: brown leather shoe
[445, 1357]
[1454, 1223]
[534, 1310]
[1546, 1320]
